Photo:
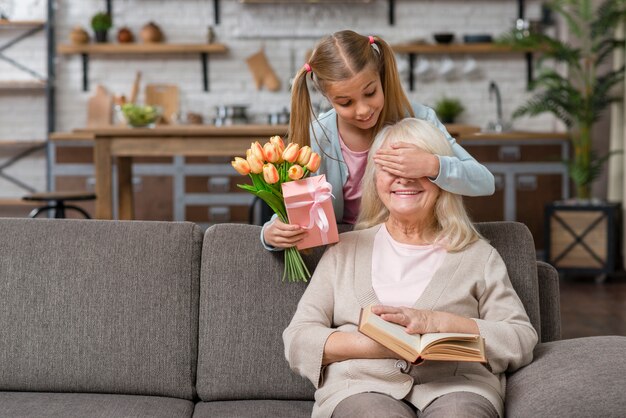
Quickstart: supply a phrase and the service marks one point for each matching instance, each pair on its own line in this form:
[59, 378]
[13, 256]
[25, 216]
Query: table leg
[125, 187]
[104, 173]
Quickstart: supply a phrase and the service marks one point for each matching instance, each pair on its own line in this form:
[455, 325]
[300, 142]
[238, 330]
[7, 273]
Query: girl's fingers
[399, 145]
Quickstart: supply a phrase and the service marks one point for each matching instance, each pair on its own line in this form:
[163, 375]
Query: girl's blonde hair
[340, 57]
[453, 227]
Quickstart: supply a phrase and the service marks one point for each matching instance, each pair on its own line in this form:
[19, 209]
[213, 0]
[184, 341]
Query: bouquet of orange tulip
[269, 166]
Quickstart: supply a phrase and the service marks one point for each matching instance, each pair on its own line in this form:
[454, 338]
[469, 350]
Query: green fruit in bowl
[140, 115]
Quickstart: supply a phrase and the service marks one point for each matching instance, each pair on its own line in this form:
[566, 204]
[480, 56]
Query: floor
[590, 308]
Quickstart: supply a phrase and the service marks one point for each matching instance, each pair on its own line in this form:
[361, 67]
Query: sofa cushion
[582, 377]
[253, 409]
[80, 405]
[99, 306]
[244, 308]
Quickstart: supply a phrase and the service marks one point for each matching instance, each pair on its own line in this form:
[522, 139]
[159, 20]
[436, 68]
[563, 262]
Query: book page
[429, 339]
[395, 331]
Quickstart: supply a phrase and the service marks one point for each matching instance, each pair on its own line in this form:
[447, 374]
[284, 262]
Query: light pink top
[356, 162]
[401, 272]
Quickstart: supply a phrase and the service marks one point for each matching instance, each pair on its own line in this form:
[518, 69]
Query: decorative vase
[124, 36]
[151, 33]
[79, 36]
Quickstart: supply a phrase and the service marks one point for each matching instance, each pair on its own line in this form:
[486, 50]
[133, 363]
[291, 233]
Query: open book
[415, 348]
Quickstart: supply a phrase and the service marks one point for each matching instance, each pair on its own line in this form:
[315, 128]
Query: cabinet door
[523, 187]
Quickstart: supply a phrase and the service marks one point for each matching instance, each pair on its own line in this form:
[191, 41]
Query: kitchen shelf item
[166, 97]
[413, 50]
[479, 38]
[444, 38]
[148, 49]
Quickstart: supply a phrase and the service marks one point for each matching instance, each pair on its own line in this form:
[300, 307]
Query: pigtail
[397, 105]
[301, 110]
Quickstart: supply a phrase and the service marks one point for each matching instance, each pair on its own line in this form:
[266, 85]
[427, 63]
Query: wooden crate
[583, 238]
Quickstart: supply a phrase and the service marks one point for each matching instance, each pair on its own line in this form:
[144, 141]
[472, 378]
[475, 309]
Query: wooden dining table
[118, 145]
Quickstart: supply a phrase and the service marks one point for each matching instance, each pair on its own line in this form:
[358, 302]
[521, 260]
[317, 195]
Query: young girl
[358, 76]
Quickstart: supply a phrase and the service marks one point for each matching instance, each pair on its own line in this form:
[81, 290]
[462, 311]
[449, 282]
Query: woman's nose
[403, 180]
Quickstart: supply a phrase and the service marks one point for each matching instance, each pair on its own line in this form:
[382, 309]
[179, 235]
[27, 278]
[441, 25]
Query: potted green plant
[581, 235]
[448, 109]
[579, 97]
[101, 23]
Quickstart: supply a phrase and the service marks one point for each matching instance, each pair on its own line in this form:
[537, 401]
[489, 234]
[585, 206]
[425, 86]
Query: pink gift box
[308, 202]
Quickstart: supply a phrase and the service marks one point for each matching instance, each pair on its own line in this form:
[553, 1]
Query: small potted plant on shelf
[578, 98]
[448, 109]
[101, 23]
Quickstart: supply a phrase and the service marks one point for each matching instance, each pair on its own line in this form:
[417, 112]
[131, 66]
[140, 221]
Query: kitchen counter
[513, 135]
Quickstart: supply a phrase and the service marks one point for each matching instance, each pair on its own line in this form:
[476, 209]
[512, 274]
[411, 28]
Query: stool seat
[47, 196]
[56, 202]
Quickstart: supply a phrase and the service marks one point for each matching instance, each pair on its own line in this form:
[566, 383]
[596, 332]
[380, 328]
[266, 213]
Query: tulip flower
[295, 172]
[278, 143]
[257, 150]
[291, 152]
[270, 174]
[304, 155]
[241, 165]
[256, 164]
[270, 152]
[314, 162]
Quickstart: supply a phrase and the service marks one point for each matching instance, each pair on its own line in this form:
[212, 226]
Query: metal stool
[56, 201]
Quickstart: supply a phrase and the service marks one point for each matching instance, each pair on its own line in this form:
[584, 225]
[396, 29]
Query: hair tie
[307, 67]
[371, 38]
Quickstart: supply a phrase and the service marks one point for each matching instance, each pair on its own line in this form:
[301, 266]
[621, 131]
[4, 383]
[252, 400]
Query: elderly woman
[416, 256]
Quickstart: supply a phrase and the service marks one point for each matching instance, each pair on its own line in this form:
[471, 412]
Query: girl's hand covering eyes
[407, 160]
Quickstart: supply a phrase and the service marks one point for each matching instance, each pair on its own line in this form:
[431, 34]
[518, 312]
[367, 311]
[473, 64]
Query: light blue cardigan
[459, 174]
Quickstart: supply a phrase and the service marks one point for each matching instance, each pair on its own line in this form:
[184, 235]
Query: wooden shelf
[477, 48]
[412, 50]
[18, 143]
[21, 23]
[140, 48]
[22, 85]
[84, 50]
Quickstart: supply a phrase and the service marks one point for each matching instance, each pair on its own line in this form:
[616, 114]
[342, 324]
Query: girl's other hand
[407, 160]
[281, 235]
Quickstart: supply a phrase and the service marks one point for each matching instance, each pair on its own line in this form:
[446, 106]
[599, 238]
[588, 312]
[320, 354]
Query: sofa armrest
[549, 302]
[582, 377]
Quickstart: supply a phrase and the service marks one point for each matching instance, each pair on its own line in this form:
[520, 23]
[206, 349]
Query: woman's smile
[406, 193]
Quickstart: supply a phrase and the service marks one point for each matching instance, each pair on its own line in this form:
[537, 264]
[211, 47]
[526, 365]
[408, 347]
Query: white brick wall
[285, 32]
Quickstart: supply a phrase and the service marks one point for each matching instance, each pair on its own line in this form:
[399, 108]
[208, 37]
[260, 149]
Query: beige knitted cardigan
[473, 283]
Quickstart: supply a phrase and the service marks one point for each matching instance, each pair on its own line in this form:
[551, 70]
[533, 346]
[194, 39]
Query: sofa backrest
[99, 306]
[244, 308]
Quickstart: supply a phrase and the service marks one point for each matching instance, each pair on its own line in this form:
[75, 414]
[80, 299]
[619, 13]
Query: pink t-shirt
[401, 272]
[356, 162]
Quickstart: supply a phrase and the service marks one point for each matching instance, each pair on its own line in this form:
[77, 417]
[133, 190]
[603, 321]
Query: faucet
[499, 125]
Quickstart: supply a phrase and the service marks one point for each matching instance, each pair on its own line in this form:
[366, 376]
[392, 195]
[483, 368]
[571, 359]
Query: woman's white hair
[453, 226]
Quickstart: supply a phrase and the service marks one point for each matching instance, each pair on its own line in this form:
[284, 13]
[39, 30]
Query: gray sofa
[156, 319]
